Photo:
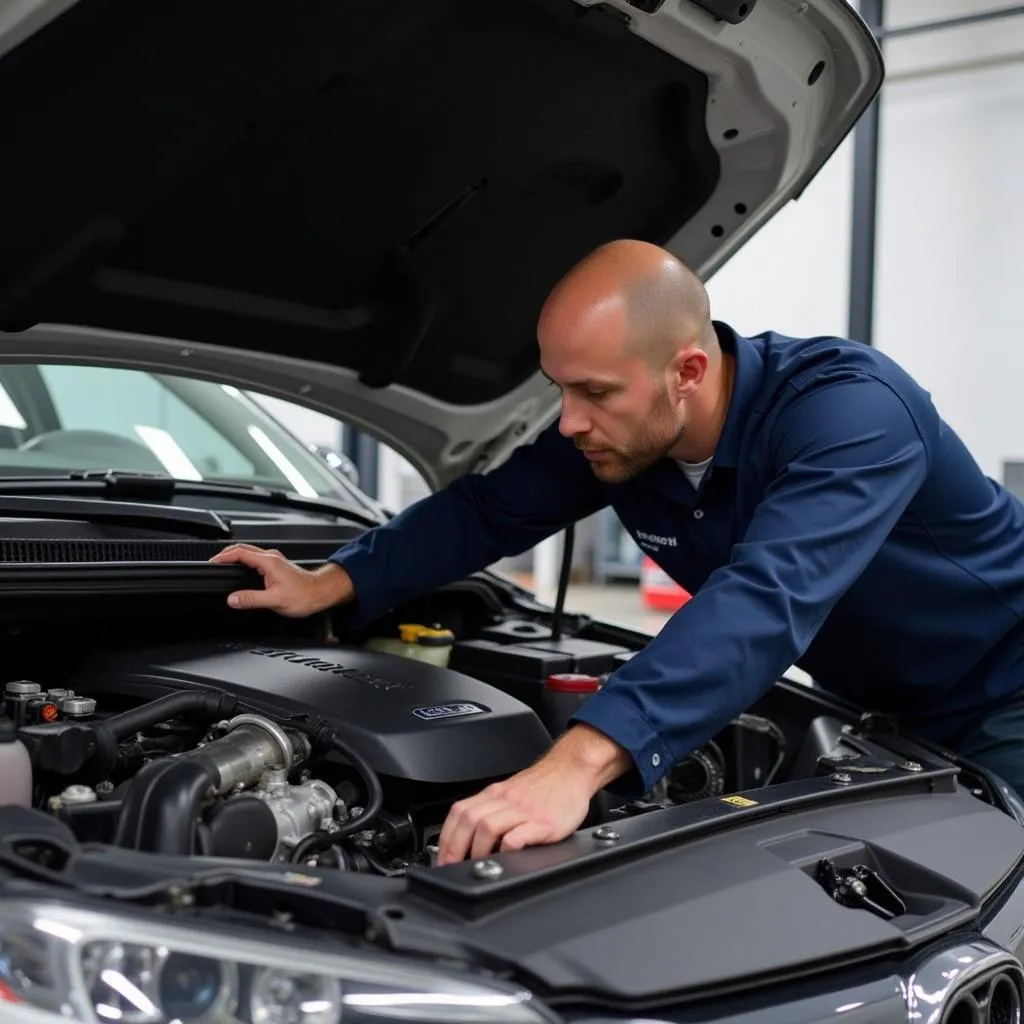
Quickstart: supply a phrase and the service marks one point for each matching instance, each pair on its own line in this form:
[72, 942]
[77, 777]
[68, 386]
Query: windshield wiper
[120, 485]
[196, 522]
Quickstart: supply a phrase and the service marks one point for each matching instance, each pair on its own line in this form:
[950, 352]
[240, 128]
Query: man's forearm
[471, 524]
[434, 542]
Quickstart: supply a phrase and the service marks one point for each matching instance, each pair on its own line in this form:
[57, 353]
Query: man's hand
[289, 589]
[542, 804]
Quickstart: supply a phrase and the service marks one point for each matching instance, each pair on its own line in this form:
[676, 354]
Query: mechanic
[804, 491]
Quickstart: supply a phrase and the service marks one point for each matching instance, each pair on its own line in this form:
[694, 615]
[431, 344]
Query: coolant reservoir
[423, 643]
[15, 767]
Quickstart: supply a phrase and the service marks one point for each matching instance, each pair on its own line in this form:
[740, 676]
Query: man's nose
[573, 422]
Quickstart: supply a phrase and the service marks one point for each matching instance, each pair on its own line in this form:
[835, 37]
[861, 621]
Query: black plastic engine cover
[408, 719]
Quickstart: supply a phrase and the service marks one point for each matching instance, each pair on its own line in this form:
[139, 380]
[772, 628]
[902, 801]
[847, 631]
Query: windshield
[57, 419]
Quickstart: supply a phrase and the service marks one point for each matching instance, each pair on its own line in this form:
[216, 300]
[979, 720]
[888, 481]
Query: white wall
[951, 220]
[793, 276]
[950, 242]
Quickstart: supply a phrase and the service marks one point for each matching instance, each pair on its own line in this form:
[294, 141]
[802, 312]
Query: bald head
[636, 292]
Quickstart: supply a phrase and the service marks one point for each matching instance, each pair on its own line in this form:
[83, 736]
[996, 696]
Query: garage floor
[619, 602]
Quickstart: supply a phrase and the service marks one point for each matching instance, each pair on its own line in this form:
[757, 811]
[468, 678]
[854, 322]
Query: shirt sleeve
[847, 458]
[539, 490]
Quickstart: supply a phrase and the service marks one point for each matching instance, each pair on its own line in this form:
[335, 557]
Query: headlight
[65, 965]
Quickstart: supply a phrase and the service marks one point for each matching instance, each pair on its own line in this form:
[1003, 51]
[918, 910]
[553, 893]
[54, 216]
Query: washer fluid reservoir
[422, 643]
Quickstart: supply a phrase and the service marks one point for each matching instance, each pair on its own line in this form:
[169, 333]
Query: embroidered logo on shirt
[654, 541]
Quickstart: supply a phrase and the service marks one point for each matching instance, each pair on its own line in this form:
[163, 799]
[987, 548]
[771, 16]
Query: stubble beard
[660, 433]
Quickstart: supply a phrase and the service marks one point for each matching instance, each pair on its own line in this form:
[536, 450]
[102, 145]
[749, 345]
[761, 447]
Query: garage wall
[794, 275]
[950, 242]
[951, 220]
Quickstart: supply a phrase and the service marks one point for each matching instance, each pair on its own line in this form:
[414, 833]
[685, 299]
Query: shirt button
[698, 513]
[656, 760]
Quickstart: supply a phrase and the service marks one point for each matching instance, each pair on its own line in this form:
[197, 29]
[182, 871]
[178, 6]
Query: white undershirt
[694, 471]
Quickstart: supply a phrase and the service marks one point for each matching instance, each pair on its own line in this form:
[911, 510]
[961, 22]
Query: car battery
[588, 656]
[523, 669]
[518, 670]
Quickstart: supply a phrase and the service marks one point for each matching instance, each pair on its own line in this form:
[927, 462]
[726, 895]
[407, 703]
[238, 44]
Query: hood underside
[361, 207]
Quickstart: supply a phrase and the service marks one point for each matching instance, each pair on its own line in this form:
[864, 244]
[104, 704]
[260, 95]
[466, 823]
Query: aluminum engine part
[299, 810]
[252, 746]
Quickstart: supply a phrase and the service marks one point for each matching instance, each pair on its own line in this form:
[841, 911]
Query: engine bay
[329, 753]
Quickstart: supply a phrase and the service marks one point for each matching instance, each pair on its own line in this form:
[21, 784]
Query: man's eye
[596, 394]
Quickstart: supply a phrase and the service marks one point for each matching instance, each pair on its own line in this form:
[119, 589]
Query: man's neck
[706, 418]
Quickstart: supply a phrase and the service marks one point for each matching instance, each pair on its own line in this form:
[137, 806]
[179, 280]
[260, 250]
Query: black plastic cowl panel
[738, 909]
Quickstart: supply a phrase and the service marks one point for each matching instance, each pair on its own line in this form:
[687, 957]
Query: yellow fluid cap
[414, 633]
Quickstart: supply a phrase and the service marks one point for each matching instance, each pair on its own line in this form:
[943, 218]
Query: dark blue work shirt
[842, 527]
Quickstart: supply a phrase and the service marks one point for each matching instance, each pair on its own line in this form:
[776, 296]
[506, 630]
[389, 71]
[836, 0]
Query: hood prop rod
[563, 581]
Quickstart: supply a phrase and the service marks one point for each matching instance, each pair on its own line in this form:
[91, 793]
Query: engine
[317, 753]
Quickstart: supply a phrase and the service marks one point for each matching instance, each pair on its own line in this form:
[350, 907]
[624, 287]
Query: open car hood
[360, 207]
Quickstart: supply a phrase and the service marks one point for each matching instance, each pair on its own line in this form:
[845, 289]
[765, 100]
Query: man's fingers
[247, 554]
[457, 832]
[230, 553]
[492, 826]
[252, 599]
[529, 833]
[461, 824]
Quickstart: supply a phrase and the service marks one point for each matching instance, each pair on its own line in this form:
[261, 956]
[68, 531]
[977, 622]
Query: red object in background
[658, 590]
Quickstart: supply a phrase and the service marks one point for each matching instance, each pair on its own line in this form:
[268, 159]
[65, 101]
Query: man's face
[616, 407]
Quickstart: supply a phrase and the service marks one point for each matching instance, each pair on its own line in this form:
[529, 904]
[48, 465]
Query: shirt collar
[747, 384]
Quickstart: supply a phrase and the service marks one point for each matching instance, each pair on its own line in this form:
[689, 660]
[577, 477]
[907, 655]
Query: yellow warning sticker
[739, 801]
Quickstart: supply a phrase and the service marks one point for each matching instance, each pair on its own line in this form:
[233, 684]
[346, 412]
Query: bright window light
[169, 452]
[279, 459]
[9, 415]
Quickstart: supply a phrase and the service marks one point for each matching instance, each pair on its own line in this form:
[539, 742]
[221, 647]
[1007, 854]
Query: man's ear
[687, 370]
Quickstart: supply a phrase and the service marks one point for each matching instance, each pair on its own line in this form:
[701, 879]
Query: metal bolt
[858, 888]
[78, 707]
[912, 766]
[104, 788]
[488, 869]
[606, 835]
[180, 897]
[22, 689]
[841, 778]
